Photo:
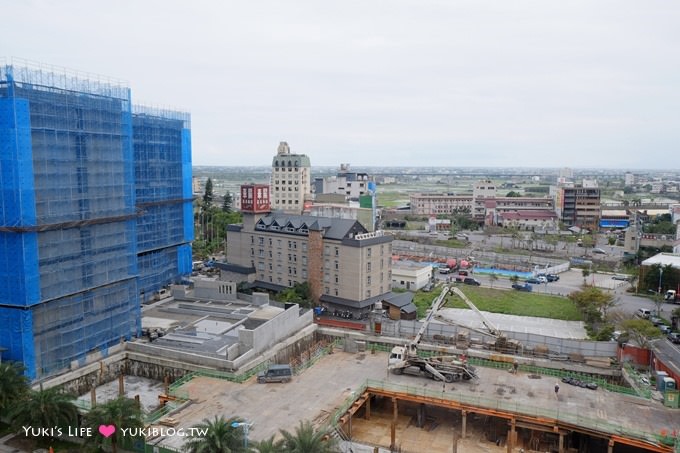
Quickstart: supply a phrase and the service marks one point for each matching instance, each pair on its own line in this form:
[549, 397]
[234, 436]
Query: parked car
[623, 278]
[472, 281]
[533, 281]
[599, 251]
[552, 277]
[674, 337]
[664, 329]
[656, 321]
[275, 373]
[465, 273]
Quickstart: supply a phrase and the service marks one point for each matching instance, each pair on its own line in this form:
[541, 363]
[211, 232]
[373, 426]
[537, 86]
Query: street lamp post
[246, 427]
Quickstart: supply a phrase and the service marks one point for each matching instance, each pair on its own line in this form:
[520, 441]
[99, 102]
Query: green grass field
[504, 301]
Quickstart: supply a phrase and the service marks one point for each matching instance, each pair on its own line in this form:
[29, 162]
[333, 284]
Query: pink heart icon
[107, 430]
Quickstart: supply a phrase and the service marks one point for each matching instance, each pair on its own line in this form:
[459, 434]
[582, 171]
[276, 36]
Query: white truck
[405, 359]
[671, 296]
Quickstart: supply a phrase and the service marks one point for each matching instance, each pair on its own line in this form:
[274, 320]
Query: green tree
[588, 242]
[514, 279]
[122, 413]
[298, 294]
[641, 331]
[592, 299]
[585, 272]
[493, 278]
[208, 195]
[268, 446]
[218, 436]
[306, 439]
[13, 385]
[513, 194]
[45, 409]
[227, 203]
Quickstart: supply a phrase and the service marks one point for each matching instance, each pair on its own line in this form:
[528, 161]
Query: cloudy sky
[542, 83]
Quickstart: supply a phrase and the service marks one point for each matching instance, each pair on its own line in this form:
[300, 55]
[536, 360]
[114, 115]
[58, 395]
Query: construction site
[396, 391]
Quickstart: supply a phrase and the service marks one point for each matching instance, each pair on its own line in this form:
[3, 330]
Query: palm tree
[268, 446]
[308, 440]
[50, 408]
[218, 436]
[13, 385]
[122, 413]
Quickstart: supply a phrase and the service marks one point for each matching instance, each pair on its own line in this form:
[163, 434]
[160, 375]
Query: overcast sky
[405, 83]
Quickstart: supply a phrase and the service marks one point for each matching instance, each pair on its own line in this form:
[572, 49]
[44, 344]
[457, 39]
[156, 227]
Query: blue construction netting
[161, 146]
[67, 329]
[93, 211]
[18, 260]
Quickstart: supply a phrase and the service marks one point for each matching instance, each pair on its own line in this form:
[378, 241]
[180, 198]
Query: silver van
[643, 313]
[275, 373]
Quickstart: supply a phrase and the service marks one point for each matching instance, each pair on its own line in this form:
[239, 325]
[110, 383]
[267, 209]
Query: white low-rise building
[410, 276]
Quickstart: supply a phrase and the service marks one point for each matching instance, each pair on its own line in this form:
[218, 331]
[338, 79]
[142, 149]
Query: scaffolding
[93, 213]
[163, 192]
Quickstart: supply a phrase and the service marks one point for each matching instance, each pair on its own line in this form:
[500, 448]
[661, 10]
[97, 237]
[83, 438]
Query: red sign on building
[255, 198]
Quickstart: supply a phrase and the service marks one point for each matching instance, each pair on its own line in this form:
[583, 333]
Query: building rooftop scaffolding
[48, 77]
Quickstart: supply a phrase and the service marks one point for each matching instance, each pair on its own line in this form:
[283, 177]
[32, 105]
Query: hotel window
[368, 252]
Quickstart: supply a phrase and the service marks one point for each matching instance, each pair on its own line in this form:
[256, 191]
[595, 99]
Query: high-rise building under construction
[95, 214]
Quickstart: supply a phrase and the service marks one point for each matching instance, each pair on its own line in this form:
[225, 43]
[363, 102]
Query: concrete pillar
[93, 397]
[511, 436]
[166, 384]
[367, 413]
[121, 385]
[464, 427]
[393, 430]
[454, 441]
[561, 444]
[421, 415]
[610, 446]
[138, 401]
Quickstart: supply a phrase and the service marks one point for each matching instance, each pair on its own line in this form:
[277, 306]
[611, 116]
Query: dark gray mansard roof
[301, 224]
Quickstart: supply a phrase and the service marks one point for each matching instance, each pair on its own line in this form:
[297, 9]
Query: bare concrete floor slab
[315, 394]
[512, 323]
[147, 389]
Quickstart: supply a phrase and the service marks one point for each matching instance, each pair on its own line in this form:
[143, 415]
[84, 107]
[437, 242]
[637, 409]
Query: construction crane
[501, 342]
[444, 368]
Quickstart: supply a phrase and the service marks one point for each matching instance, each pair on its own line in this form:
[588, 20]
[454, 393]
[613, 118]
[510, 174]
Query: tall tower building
[290, 183]
[95, 212]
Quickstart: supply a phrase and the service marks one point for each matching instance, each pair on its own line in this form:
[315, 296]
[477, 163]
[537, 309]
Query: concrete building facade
[290, 181]
[578, 204]
[348, 183]
[345, 265]
[410, 276]
[439, 203]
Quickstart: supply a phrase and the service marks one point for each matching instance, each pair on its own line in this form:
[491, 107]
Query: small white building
[410, 276]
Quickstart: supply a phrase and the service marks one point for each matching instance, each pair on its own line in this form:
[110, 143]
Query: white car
[599, 251]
